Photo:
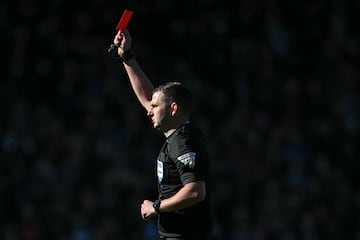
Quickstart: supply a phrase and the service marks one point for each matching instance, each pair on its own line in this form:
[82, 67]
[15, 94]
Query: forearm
[140, 83]
[191, 194]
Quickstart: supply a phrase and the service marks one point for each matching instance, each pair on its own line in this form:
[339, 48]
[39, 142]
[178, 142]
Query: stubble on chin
[156, 126]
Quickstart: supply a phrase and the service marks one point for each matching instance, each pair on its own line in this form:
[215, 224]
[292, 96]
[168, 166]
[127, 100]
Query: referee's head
[176, 92]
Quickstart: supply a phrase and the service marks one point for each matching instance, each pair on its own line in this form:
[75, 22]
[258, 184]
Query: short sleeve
[188, 154]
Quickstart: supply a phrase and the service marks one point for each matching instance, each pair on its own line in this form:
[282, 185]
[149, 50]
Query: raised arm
[140, 83]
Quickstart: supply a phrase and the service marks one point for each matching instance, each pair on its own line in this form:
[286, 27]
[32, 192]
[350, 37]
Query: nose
[149, 113]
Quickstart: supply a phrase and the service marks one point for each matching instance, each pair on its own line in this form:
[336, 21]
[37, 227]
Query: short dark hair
[177, 92]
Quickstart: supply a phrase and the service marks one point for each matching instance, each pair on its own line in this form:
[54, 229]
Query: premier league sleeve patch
[188, 159]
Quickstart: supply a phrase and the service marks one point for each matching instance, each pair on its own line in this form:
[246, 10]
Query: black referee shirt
[184, 158]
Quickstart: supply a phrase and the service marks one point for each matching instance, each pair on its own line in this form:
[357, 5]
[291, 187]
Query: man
[183, 207]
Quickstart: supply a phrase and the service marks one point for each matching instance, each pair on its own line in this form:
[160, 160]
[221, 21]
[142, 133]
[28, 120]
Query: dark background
[277, 94]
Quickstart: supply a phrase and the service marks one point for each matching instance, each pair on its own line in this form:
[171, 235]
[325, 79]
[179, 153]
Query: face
[159, 112]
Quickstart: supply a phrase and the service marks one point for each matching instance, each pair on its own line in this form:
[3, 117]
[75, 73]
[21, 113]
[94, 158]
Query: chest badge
[160, 170]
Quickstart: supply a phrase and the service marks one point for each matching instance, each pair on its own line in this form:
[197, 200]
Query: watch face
[156, 205]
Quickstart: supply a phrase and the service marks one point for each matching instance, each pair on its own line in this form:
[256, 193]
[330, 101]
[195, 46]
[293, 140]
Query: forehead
[157, 97]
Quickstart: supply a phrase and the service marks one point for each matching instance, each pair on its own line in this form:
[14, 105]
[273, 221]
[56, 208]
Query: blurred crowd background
[277, 94]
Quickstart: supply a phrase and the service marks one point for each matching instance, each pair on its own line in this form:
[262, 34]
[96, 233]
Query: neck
[169, 132]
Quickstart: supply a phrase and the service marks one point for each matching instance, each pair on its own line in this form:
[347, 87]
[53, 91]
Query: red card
[124, 20]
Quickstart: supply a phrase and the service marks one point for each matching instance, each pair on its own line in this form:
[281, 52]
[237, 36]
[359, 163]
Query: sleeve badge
[188, 159]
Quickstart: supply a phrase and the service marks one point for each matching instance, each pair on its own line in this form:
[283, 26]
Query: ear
[173, 108]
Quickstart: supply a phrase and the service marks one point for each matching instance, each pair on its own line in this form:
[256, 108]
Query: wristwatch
[127, 55]
[156, 206]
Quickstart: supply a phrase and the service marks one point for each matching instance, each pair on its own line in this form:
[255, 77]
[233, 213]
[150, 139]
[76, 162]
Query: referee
[183, 206]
